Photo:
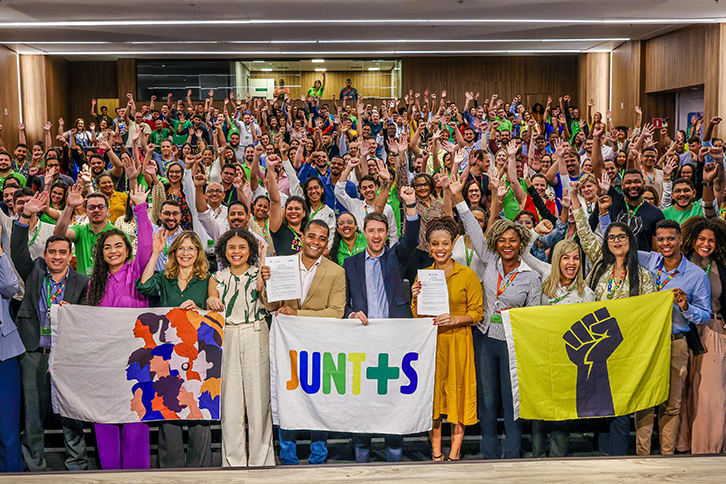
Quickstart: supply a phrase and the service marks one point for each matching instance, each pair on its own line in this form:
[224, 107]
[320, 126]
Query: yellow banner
[590, 360]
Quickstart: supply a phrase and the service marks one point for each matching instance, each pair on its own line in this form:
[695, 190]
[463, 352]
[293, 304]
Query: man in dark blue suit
[376, 290]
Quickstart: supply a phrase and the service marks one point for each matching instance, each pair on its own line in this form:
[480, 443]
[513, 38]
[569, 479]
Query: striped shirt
[524, 290]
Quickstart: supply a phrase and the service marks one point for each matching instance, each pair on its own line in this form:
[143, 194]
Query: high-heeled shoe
[437, 458]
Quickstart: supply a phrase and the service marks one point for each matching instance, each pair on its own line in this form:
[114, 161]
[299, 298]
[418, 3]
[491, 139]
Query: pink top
[121, 287]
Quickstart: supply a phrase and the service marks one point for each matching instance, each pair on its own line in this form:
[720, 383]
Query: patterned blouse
[242, 304]
[593, 250]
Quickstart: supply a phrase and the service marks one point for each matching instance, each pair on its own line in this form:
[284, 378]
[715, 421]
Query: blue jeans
[493, 384]
[394, 447]
[11, 457]
[288, 447]
[614, 441]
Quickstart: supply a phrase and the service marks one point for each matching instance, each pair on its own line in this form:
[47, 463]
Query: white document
[433, 300]
[284, 283]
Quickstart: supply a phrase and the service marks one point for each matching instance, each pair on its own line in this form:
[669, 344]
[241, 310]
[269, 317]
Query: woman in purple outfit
[113, 285]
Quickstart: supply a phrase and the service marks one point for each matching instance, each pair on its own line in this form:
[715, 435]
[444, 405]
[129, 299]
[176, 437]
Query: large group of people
[179, 205]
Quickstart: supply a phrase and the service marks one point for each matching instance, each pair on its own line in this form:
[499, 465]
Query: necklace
[612, 288]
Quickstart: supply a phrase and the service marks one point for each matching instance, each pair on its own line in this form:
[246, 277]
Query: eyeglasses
[618, 237]
[92, 208]
[670, 238]
[186, 249]
[420, 185]
[171, 214]
[215, 190]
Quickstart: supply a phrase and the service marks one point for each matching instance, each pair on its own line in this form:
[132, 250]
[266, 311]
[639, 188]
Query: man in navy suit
[376, 290]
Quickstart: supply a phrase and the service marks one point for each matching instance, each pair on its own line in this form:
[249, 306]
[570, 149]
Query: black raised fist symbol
[589, 343]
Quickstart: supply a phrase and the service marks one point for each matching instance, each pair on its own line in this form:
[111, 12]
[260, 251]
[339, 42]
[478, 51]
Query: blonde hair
[550, 285]
[201, 265]
[589, 178]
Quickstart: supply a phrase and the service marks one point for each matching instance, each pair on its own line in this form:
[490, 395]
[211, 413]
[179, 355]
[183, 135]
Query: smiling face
[186, 254]
[170, 217]
[114, 251]
[314, 190]
[315, 241]
[589, 191]
[56, 196]
[174, 174]
[368, 189]
[683, 195]
[346, 226]
[569, 265]
[58, 256]
[261, 209]
[632, 186]
[376, 235]
[705, 243]
[96, 209]
[105, 185]
[215, 194]
[668, 241]
[440, 246]
[237, 217]
[687, 172]
[508, 245]
[294, 212]
[237, 251]
[474, 194]
[618, 242]
[540, 184]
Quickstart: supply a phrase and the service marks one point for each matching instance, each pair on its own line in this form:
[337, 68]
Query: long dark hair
[631, 259]
[306, 211]
[64, 187]
[99, 278]
[337, 238]
[313, 179]
[692, 228]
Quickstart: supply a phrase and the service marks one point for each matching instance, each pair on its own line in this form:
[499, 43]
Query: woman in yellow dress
[455, 381]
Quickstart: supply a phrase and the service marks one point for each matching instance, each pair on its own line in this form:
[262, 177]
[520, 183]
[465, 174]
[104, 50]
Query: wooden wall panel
[506, 76]
[676, 60]
[34, 89]
[126, 79]
[627, 75]
[9, 107]
[594, 82]
[714, 99]
[97, 79]
[57, 82]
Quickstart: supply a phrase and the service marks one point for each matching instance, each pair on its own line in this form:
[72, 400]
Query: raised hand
[150, 168]
[138, 194]
[669, 167]
[37, 203]
[512, 148]
[48, 177]
[383, 172]
[566, 201]
[604, 182]
[544, 227]
[132, 171]
[709, 172]
[75, 199]
[456, 184]
[716, 154]
[408, 195]
[459, 158]
[46, 126]
[200, 179]
[560, 148]
[159, 243]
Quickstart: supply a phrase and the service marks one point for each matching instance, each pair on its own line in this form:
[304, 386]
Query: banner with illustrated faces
[339, 375]
[122, 365]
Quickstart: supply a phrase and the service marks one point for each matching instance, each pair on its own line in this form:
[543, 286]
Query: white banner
[338, 375]
[120, 365]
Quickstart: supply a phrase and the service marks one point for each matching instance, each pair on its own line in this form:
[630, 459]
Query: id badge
[45, 331]
[496, 318]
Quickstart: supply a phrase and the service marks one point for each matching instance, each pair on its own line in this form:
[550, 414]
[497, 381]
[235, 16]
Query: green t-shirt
[315, 92]
[359, 246]
[681, 216]
[85, 241]
[14, 174]
[45, 218]
[156, 137]
[179, 139]
[504, 124]
[511, 205]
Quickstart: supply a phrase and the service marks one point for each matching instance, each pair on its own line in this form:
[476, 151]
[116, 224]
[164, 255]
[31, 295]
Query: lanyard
[316, 212]
[37, 232]
[217, 212]
[708, 267]
[296, 242]
[53, 297]
[469, 254]
[722, 211]
[661, 284]
[611, 289]
[558, 299]
[500, 288]
[631, 213]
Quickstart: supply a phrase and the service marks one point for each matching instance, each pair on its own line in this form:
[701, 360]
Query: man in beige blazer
[323, 296]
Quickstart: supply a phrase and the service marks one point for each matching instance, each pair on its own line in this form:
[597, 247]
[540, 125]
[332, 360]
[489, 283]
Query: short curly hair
[501, 226]
[220, 249]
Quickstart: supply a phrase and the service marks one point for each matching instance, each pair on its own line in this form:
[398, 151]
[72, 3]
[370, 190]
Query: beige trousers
[669, 411]
[246, 392]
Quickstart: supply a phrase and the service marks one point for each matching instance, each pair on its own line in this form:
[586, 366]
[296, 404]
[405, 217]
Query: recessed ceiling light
[266, 69]
[320, 69]
[318, 61]
[374, 68]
